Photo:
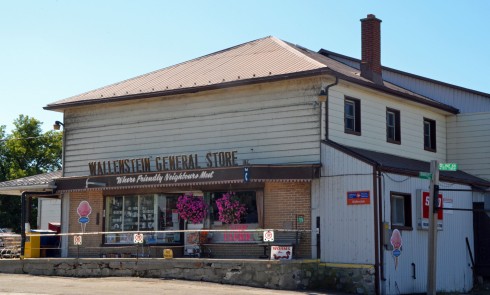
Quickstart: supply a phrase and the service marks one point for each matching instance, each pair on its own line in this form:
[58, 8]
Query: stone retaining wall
[285, 275]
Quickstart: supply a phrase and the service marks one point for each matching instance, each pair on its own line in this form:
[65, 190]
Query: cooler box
[55, 226]
[32, 246]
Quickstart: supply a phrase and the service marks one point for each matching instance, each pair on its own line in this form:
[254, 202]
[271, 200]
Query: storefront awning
[211, 176]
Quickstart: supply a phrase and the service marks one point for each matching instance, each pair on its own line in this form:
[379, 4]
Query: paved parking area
[42, 285]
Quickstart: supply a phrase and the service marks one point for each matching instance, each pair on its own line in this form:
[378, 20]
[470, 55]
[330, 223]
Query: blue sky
[52, 50]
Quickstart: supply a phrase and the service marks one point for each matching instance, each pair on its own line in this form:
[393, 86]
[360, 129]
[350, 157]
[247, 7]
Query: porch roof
[35, 183]
[402, 165]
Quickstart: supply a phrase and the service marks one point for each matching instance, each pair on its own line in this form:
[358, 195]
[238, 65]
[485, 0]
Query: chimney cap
[370, 17]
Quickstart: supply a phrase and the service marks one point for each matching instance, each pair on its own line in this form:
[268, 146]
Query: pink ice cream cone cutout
[84, 211]
[396, 242]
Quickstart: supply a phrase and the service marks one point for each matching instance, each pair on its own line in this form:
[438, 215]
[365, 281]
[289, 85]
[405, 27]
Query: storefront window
[141, 213]
[236, 233]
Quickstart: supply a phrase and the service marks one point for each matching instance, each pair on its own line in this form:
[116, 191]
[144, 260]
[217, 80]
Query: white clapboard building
[344, 140]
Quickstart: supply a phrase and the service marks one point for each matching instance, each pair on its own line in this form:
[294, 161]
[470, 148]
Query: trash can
[32, 246]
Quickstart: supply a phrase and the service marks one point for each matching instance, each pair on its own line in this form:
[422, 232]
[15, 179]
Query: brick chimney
[371, 49]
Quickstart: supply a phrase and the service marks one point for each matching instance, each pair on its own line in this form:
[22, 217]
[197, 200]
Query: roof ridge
[294, 49]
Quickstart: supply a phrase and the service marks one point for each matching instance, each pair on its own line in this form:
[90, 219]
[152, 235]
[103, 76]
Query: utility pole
[433, 209]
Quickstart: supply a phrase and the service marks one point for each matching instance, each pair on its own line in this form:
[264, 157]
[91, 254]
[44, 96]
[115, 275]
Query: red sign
[240, 235]
[77, 240]
[425, 205]
[268, 236]
[138, 238]
[358, 198]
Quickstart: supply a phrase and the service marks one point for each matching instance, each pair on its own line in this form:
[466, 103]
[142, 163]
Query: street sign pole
[432, 253]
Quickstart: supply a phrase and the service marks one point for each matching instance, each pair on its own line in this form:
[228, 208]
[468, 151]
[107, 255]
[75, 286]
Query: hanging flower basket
[230, 210]
[192, 208]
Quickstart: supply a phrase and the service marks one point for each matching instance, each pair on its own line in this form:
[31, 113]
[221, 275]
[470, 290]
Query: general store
[312, 143]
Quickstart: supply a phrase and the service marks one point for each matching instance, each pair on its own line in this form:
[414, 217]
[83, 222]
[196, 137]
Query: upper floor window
[352, 116]
[429, 135]
[393, 134]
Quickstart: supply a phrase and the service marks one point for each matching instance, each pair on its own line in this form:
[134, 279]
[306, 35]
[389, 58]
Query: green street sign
[425, 175]
[448, 166]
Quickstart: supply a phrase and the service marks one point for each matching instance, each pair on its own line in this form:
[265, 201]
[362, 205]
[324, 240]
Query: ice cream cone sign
[84, 211]
[396, 242]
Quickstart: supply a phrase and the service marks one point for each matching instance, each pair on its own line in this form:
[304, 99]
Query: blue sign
[397, 252]
[83, 219]
[246, 174]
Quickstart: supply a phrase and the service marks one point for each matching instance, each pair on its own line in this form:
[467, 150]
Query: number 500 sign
[425, 205]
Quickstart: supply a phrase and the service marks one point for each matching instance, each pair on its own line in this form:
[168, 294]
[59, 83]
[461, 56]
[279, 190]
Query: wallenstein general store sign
[165, 163]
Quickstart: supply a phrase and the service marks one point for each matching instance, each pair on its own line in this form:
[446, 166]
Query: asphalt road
[28, 284]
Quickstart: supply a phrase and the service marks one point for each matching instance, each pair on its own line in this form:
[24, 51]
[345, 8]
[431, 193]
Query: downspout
[376, 201]
[63, 142]
[381, 225]
[378, 228]
[325, 92]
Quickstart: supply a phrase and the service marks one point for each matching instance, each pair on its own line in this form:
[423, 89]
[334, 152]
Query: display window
[153, 212]
[241, 231]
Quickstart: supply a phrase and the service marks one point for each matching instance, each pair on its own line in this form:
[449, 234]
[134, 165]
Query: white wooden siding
[453, 261]
[373, 124]
[469, 143]
[274, 123]
[347, 231]
[49, 211]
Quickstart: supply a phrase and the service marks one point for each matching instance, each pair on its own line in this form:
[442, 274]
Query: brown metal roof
[39, 182]
[401, 165]
[262, 60]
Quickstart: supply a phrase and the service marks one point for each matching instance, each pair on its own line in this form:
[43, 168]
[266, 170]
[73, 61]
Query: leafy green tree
[26, 152]
[3, 158]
